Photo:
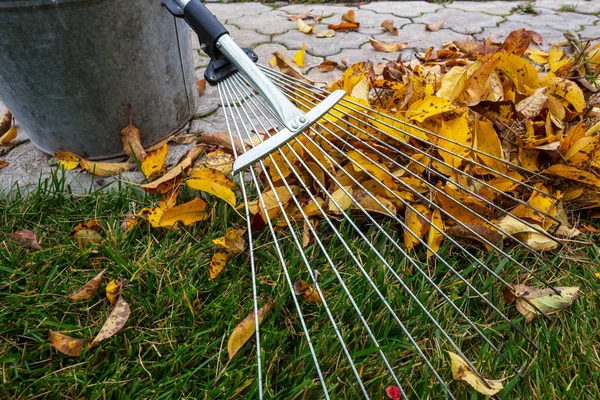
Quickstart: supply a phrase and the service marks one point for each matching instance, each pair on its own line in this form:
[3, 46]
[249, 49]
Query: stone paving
[264, 28]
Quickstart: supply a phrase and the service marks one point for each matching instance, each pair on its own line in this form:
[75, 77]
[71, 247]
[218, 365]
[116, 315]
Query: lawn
[174, 344]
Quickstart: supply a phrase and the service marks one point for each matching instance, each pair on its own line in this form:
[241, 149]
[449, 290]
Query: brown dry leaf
[214, 182]
[546, 300]
[105, 169]
[66, 344]
[310, 294]
[91, 224]
[299, 57]
[89, 289]
[155, 161]
[327, 33]
[349, 16]
[115, 321]
[434, 26]
[286, 67]
[517, 42]
[132, 145]
[112, 291]
[462, 371]
[295, 17]
[218, 160]
[244, 331]
[86, 238]
[304, 27]
[67, 160]
[344, 26]
[416, 225]
[11, 134]
[167, 182]
[388, 24]
[186, 213]
[222, 139]
[200, 86]
[217, 263]
[327, 65]
[531, 106]
[387, 47]
[26, 238]
[5, 122]
[3, 164]
[233, 241]
[343, 200]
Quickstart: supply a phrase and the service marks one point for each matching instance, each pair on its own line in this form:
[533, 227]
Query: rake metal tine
[227, 105]
[227, 85]
[437, 288]
[434, 205]
[421, 151]
[436, 189]
[278, 75]
[240, 88]
[350, 253]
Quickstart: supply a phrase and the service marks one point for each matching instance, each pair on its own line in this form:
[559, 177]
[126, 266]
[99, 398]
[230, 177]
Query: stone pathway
[264, 28]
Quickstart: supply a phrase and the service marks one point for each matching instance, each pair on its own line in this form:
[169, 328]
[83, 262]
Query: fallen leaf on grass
[86, 238]
[132, 145]
[89, 289]
[200, 86]
[233, 241]
[67, 160]
[393, 392]
[214, 182]
[187, 213]
[344, 26]
[434, 26]
[91, 224]
[388, 24]
[299, 57]
[165, 183]
[105, 169]
[244, 330]
[416, 225]
[115, 321]
[462, 371]
[112, 291]
[304, 27]
[349, 16]
[6, 122]
[546, 300]
[217, 263]
[327, 65]
[26, 238]
[328, 33]
[66, 344]
[310, 294]
[155, 160]
[11, 134]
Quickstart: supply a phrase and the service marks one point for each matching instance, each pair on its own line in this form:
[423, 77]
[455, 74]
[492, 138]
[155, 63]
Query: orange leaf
[344, 26]
[349, 16]
[388, 24]
[387, 47]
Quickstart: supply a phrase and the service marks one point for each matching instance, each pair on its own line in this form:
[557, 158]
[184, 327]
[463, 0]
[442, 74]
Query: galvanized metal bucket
[70, 70]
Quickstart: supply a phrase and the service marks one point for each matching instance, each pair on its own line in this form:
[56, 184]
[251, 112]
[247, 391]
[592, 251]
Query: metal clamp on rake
[227, 58]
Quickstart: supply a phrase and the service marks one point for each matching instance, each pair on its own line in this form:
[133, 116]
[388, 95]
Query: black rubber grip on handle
[206, 25]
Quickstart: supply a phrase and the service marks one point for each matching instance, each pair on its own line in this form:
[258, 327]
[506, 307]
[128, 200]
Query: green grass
[568, 7]
[174, 345]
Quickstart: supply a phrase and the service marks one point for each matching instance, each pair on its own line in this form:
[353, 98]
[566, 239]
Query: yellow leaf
[462, 371]
[416, 225]
[304, 27]
[155, 160]
[166, 182]
[574, 174]
[270, 201]
[91, 224]
[152, 215]
[435, 236]
[5, 122]
[453, 83]
[568, 90]
[105, 169]
[299, 57]
[112, 291]
[244, 331]
[89, 289]
[217, 263]
[327, 33]
[86, 238]
[130, 136]
[115, 321]
[546, 300]
[273, 62]
[187, 213]
[537, 56]
[221, 161]
[233, 241]
[214, 182]
[488, 142]
[372, 164]
[519, 71]
[342, 199]
[310, 294]
[458, 131]
[67, 160]
[431, 105]
[11, 134]
[349, 16]
[531, 106]
[381, 205]
[66, 344]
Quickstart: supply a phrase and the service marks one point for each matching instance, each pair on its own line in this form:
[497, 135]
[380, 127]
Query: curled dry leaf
[387, 47]
[66, 344]
[299, 57]
[310, 294]
[233, 241]
[328, 33]
[10, 135]
[5, 122]
[388, 24]
[167, 182]
[304, 27]
[91, 224]
[572, 173]
[115, 321]
[155, 161]
[286, 67]
[132, 145]
[546, 300]
[112, 291]
[105, 169]
[327, 65]
[200, 86]
[217, 263]
[434, 26]
[86, 238]
[244, 330]
[89, 289]
[349, 16]
[344, 26]
[462, 371]
[187, 213]
[214, 182]
[217, 160]
[3, 164]
[67, 160]
[26, 238]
